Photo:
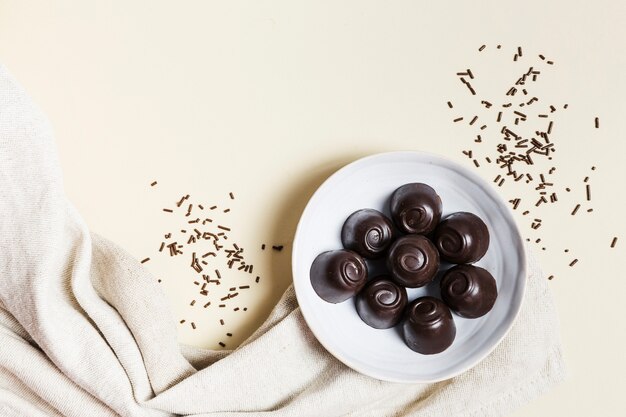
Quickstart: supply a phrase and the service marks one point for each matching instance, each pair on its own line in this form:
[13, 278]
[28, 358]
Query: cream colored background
[266, 99]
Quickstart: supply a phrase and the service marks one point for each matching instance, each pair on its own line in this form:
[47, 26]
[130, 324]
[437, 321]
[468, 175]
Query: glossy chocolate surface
[412, 261]
[461, 238]
[429, 327]
[368, 232]
[470, 291]
[381, 303]
[338, 275]
[415, 208]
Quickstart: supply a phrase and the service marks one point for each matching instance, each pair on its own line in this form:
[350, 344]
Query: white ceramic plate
[382, 354]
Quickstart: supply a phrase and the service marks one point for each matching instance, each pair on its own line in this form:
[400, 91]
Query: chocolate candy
[461, 238]
[469, 290]
[429, 327]
[368, 232]
[381, 303]
[412, 261]
[338, 275]
[415, 208]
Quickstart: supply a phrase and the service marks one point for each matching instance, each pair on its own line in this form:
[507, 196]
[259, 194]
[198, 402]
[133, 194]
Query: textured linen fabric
[85, 330]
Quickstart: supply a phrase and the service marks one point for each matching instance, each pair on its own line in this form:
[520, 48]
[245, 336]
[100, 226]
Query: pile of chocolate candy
[414, 244]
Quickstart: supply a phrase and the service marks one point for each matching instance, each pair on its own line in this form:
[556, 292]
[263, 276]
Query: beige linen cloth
[85, 330]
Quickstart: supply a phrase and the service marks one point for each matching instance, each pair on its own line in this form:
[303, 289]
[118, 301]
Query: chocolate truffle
[368, 232]
[470, 291]
[381, 303]
[415, 208]
[429, 327]
[412, 261]
[461, 238]
[338, 275]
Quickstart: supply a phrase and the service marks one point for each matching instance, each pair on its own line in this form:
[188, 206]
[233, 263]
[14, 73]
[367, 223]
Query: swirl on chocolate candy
[338, 275]
[381, 303]
[413, 261]
[451, 241]
[461, 238]
[368, 232]
[429, 327]
[415, 208]
[469, 290]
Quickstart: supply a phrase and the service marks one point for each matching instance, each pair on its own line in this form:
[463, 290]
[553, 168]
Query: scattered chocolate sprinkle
[229, 334]
[153, 184]
[449, 104]
[168, 210]
[481, 48]
[588, 190]
[232, 196]
[575, 209]
[277, 247]
[145, 260]
[192, 302]
[614, 242]
[222, 344]
[222, 322]
[193, 325]
[550, 277]
[458, 119]
[573, 262]
[182, 321]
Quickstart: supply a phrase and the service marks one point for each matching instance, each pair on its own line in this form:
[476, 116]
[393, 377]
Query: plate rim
[474, 178]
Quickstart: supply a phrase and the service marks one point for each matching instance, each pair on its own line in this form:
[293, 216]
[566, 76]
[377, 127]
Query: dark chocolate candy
[415, 208]
[413, 261]
[381, 303]
[338, 275]
[368, 232]
[429, 327]
[461, 238]
[470, 291]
